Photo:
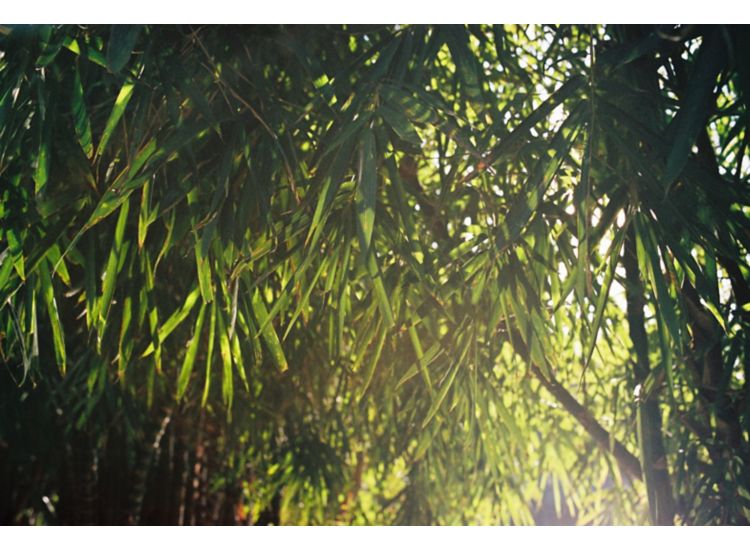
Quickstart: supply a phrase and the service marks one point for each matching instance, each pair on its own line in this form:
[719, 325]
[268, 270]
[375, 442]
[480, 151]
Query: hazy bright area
[374, 275]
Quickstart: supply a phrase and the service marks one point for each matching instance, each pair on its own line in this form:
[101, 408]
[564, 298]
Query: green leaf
[187, 365]
[122, 39]
[126, 342]
[695, 108]
[428, 357]
[238, 362]
[119, 191]
[126, 92]
[508, 421]
[89, 280]
[209, 354]
[526, 205]
[41, 172]
[203, 265]
[146, 216]
[372, 363]
[57, 331]
[379, 289]
[87, 52]
[367, 187]
[508, 145]
[627, 53]
[301, 304]
[81, 122]
[467, 66]
[612, 259]
[649, 255]
[175, 319]
[62, 271]
[111, 269]
[421, 358]
[49, 53]
[227, 382]
[268, 333]
[394, 117]
[447, 384]
[328, 191]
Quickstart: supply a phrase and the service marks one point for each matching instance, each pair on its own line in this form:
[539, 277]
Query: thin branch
[628, 462]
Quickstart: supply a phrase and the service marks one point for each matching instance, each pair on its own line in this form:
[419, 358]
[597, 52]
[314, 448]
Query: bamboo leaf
[146, 216]
[174, 320]
[447, 384]
[466, 63]
[372, 363]
[110, 272]
[527, 204]
[203, 265]
[187, 365]
[227, 381]
[81, 121]
[650, 257]
[305, 298]
[695, 108]
[366, 194]
[421, 358]
[122, 39]
[379, 290]
[268, 333]
[209, 354]
[508, 144]
[613, 256]
[126, 342]
[87, 52]
[58, 337]
[121, 102]
[394, 117]
[41, 172]
[238, 361]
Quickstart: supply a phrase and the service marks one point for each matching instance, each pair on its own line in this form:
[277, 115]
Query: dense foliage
[374, 275]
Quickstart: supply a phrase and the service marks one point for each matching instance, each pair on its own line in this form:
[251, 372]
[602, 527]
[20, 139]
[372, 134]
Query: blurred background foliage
[484, 274]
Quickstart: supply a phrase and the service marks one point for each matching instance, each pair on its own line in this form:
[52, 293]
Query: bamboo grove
[401, 274]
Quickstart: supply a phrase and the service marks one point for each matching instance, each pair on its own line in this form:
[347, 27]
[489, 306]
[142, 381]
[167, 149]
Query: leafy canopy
[399, 268]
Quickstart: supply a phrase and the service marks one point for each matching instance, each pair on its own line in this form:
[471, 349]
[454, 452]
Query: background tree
[401, 274]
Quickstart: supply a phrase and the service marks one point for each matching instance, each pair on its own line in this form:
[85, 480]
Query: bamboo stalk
[653, 457]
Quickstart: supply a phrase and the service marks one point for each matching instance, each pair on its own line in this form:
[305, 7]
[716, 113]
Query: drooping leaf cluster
[397, 274]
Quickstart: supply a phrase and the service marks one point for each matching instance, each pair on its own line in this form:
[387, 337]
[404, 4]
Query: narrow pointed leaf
[187, 364]
[268, 333]
[366, 194]
[121, 102]
[122, 38]
[81, 121]
[58, 337]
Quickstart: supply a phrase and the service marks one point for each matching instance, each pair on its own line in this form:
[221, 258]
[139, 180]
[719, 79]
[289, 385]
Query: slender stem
[628, 462]
[653, 456]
